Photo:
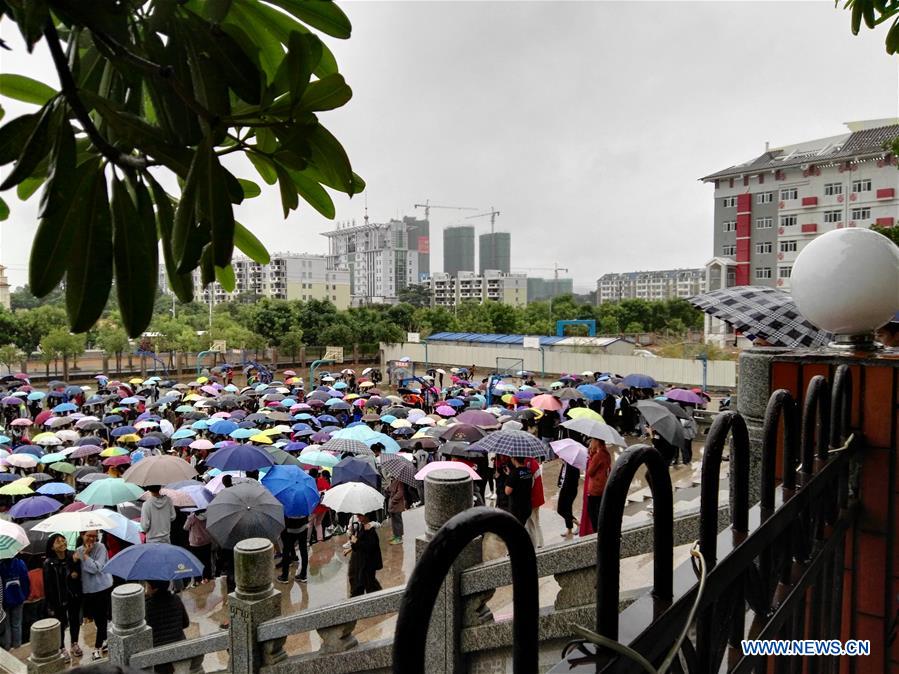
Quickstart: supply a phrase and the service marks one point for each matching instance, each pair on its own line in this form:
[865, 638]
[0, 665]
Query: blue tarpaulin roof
[484, 338]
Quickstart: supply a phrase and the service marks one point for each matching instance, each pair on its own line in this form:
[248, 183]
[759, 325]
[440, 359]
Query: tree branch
[70, 93]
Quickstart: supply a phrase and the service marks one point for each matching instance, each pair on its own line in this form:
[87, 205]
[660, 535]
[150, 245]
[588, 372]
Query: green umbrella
[184, 408]
[281, 457]
[319, 458]
[110, 492]
[52, 458]
[63, 467]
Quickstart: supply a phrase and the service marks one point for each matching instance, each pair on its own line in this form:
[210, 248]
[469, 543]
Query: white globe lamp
[847, 282]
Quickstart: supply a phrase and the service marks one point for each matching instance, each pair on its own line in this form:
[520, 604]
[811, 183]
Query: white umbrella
[122, 527]
[353, 497]
[81, 520]
[12, 539]
[595, 429]
[68, 435]
[21, 460]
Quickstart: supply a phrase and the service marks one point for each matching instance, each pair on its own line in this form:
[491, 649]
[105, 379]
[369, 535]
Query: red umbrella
[42, 417]
[117, 460]
[546, 402]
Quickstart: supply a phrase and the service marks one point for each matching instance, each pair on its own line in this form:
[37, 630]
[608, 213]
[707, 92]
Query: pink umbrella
[211, 390]
[21, 422]
[21, 375]
[546, 402]
[683, 396]
[180, 499]
[478, 418]
[571, 452]
[221, 415]
[446, 411]
[202, 443]
[117, 460]
[215, 484]
[447, 465]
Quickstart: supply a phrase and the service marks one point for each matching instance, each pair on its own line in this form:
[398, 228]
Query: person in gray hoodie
[156, 516]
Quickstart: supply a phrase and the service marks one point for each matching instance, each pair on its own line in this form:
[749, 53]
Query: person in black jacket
[166, 615]
[365, 559]
[569, 481]
[62, 589]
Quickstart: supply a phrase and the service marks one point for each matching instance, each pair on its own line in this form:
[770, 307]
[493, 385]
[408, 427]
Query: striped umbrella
[13, 539]
[346, 446]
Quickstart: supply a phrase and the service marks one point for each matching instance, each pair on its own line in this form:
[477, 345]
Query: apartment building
[665, 284]
[448, 290]
[768, 208]
[288, 276]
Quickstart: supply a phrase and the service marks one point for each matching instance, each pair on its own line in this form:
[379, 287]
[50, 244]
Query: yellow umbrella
[13, 489]
[191, 396]
[585, 413]
[43, 436]
[351, 396]
[135, 380]
[131, 437]
[508, 398]
[202, 380]
[27, 481]
[114, 451]
[260, 438]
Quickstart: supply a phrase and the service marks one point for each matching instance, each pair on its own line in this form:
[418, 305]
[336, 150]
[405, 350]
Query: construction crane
[428, 206]
[492, 213]
[555, 269]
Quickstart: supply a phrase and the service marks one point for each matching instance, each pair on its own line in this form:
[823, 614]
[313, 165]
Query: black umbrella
[764, 312]
[397, 411]
[662, 421]
[246, 510]
[462, 450]
[462, 432]
[676, 409]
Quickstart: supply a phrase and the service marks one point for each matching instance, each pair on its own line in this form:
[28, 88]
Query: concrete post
[46, 648]
[128, 632]
[254, 601]
[447, 493]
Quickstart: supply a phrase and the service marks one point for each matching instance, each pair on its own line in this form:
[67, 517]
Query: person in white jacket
[156, 516]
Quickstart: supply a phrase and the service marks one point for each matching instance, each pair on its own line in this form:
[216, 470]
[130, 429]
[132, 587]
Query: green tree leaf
[250, 245]
[263, 167]
[326, 94]
[31, 16]
[314, 194]
[213, 208]
[89, 262]
[184, 236]
[330, 160]
[35, 148]
[4, 210]
[25, 89]
[181, 284]
[250, 189]
[13, 136]
[235, 67]
[135, 254]
[321, 14]
[289, 200]
[225, 278]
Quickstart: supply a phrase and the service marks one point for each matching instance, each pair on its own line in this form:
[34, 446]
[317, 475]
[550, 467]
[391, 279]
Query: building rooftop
[545, 340]
[863, 141]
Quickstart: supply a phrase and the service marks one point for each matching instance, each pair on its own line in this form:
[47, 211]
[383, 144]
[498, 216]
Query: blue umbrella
[36, 395]
[455, 402]
[296, 490]
[34, 506]
[303, 416]
[592, 392]
[150, 441]
[111, 419]
[640, 381]
[64, 407]
[182, 442]
[34, 450]
[183, 433]
[132, 400]
[240, 457]
[8, 477]
[355, 470]
[122, 430]
[154, 561]
[300, 427]
[369, 437]
[328, 419]
[200, 425]
[223, 427]
[55, 489]
[4, 439]
[295, 446]
[243, 433]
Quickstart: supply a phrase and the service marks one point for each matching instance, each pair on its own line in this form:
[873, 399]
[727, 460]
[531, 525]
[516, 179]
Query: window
[728, 249]
[764, 223]
[787, 220]
[863, 185]
[788, 193]
[729, 202]
[784, 272]
[763, 248]
[833, 216]
[861, 213]
[764, 197]
[729, 226]
[762, 273]
[833, 189]
[787, 246]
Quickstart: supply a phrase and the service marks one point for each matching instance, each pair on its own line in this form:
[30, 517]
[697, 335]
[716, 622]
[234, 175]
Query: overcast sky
[587, 124]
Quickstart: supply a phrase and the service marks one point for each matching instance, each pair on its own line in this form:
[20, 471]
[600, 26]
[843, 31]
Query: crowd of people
[156, 461]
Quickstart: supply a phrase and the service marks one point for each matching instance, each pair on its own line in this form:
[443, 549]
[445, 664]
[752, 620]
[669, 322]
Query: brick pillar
[871, 568]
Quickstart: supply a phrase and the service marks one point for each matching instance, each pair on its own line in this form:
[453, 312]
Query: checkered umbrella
[346, 446]
[401, 469]
[762, 311]
[512, 443]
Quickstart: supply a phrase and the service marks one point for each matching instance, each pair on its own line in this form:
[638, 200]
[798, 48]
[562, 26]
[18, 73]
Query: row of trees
[40, 325]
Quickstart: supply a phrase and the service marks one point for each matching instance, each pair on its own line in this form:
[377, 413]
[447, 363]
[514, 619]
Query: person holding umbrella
[365, 557]
[165, 614]
[62, 589]
[156, 516]
[295, 534]
[96, 586]
[518, 485]
[396, 504]
[599, 465]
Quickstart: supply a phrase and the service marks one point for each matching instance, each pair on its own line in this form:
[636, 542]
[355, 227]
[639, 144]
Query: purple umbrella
[321, 436]
[85, 450]
[478, 418]
[34, 506]
[683, 396]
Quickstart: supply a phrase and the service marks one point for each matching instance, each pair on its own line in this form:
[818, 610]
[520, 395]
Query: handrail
[181, 650]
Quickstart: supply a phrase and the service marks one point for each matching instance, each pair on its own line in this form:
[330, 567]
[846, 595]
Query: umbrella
[13, 539]
[353, 469]
[85, 450]
[240, 457]
[16, 489]
[117, 460]
[639, 381]
[608, 387]
[319, 458]
[154, 561]
[223, 427]
[353, 497]
[675, 409]
[34, 506]
[592, 392]
[110, 492]
[447, 465]
[159, 470]
[34, 450]
[446, 411]
[55, 489]
[462, 432]
[571, 452]
[764, 312]
[364, 434]
[122, 527]
[570, 394]
[584, 413]
[89, 478]
[21, 460]
[683, 396]
[246, 510]
[595, 429]
[295, 489]
[400, 469]
[662, 421]
[113, 451]
[478, 418]
[62, 467]
[346, 446]
[512, 443]
[462, 450]
[81, 520]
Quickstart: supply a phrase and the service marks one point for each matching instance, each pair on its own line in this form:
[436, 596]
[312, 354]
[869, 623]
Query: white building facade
[650, 285]
[493, 285]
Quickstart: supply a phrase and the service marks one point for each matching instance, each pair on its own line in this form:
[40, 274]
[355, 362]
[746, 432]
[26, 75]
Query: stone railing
[256, 640]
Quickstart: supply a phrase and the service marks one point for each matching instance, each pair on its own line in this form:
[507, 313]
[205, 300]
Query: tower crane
[492, 213]
[428, 206]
